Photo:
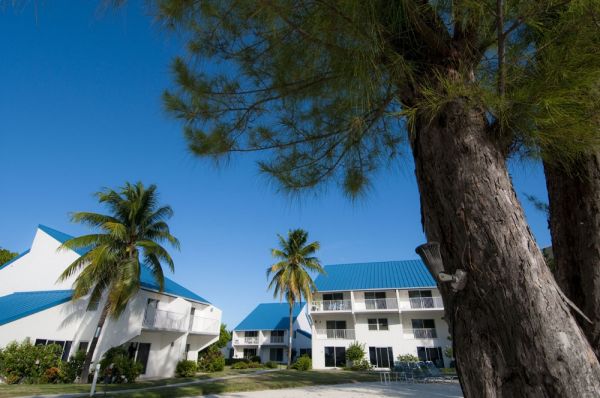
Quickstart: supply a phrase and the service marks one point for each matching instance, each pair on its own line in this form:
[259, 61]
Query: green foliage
[290, 276]
[360, 365]
[271, 365]
[135, 226]
[254, 365]
[186, 368]
[71, 369]
[25, 363]
[449, 352]
[355, 351]
[224, 337]
[303, 363]
[318, 117]
[6, 256]
[119, 367]
[408, 358]
[240, 365]
[211, 360]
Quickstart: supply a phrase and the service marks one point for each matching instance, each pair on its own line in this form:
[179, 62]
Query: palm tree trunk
[90, 354]
[290, 336]
[574, 219]
[513, 333]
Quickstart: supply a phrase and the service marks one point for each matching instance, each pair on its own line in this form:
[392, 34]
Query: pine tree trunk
[513, 334]
[575, 225]
[90, 354]
[290, 337]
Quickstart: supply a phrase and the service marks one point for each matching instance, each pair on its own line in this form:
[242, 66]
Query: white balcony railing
[336, 334]
[165, 320]
[426, 302]
[276, 339]
[250, 340]
[423, 333]
[378, 304]
[203, 325]
[331, 305]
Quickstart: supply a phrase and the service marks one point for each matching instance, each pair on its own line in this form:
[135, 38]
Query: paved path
[357, 390]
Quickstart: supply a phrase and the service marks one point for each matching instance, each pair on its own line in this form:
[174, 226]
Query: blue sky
[80, 109]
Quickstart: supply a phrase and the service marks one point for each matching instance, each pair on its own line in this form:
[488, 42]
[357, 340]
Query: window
[93, 305]
[277, 336]
[40, 342]
[420, 299]
[251, 333]
[83, 346]
[335, 357]
[334, 302]
[249, 352]
[378, 324]
[431, 354]
[64, 345]
[375, 301]
[336, 329]
[276, 354]
[424, 328]
[333, 296]
[381, 357]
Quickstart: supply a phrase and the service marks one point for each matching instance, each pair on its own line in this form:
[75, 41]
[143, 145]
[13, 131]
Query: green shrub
[211, 360]
[408, 358]
[117, 365]
[25, 363]
[186, 368]
[71, 369]
[239, 365]
[255, 358]
[303, 363]
[272, 365]
[355, 352]
[254, 365]
[51, 376]
[361, 364]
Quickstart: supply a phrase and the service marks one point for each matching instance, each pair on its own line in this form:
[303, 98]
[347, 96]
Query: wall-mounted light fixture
[430, 254]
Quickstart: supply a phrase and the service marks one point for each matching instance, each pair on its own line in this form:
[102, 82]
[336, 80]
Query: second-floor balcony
[165, 320]
[331, 305]
[423, 333]
[426, 303]
[380, 304]
[336, 334]
[276, 339]
[203, 325]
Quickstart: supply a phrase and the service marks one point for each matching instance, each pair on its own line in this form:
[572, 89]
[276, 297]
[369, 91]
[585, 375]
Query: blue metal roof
[378, 275]
[270, 316]
[147, 279]
[19, 305]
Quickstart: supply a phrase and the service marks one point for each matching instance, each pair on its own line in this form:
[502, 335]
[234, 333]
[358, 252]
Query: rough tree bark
[513, 334]
[574, 199]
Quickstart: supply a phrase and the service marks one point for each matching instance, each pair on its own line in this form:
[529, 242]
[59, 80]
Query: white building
[393, 308]
[158, 329]
[265, 333]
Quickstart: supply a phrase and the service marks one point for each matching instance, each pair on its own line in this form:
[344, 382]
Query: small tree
[408, 358]
[355, 352]
[6, 256]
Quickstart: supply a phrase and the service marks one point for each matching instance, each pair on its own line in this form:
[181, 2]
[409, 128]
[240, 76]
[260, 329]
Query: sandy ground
[357, 390]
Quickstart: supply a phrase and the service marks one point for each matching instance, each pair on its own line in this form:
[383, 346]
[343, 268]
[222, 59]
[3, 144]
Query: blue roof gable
[19, 305]
[270, 316]
[377, 275]
[147, 279]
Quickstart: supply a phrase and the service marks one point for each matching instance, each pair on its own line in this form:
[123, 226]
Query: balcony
[383, 304]
[331, 306]
[276, 340]
[248, 340]
[203, 325]
[165, 320]
[336, 334]
[417, 303]
[423, 333]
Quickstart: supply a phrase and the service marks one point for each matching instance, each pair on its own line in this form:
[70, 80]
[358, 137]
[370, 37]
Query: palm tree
[136, 225]
[291, 276]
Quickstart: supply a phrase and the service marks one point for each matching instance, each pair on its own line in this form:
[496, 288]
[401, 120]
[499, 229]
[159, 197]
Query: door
[335, 357]
[192, 313]
[420, 299]
[381, 357]
[375, 301]
[143, 353]
[276, 354]
[333, 301]
[431, 354]
[150, 316]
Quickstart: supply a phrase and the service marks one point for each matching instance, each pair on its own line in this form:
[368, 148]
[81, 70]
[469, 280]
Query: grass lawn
[18, 390]
[269, 381]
